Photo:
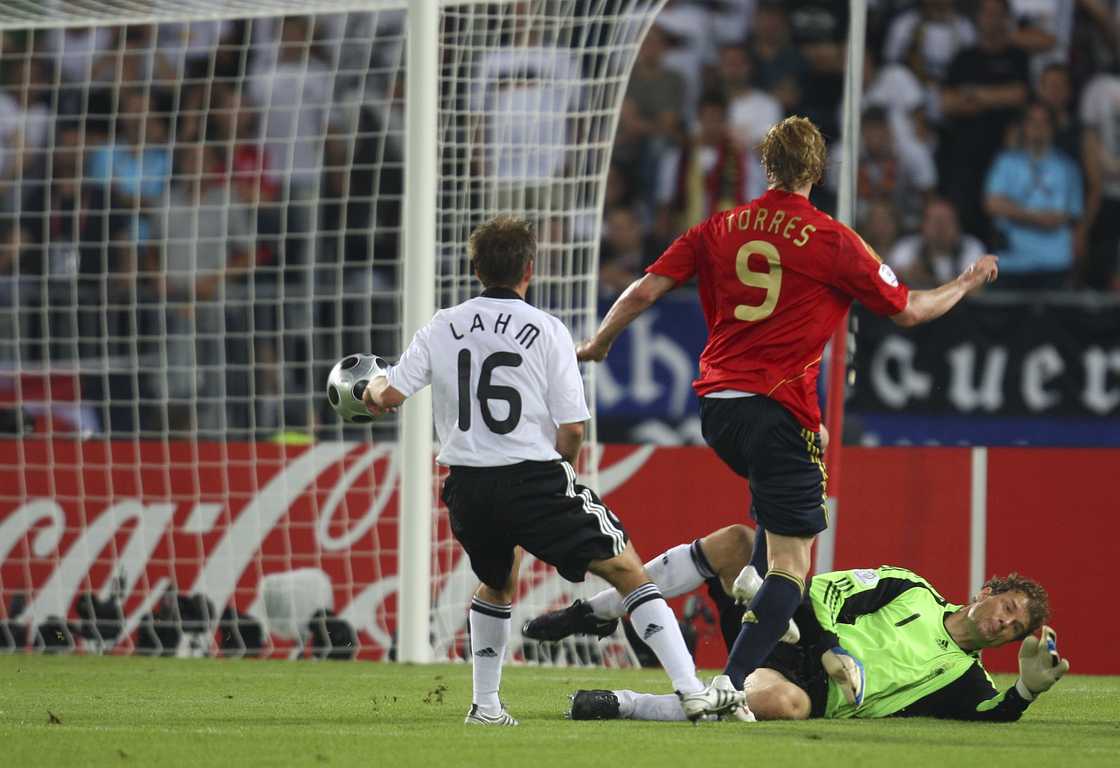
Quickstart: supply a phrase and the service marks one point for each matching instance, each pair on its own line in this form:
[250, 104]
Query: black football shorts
[761, 441]
[537, 505]
[802, 667]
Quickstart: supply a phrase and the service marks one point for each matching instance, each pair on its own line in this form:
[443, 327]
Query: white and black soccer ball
[347, 382]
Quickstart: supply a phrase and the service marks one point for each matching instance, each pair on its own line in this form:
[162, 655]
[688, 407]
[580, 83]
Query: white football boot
[478, 717]
[718, 698]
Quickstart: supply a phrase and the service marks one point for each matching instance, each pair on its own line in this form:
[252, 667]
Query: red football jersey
[775, 277]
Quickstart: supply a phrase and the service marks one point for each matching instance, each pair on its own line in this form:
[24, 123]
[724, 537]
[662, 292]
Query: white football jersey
[503, 376]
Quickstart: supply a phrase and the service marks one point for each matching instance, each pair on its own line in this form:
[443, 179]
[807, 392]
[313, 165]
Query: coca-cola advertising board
[222, 520]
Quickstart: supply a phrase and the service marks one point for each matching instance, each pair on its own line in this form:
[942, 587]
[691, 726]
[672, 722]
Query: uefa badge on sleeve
[886, 274]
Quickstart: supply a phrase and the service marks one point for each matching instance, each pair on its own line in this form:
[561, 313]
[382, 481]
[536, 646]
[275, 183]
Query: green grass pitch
[202, 712]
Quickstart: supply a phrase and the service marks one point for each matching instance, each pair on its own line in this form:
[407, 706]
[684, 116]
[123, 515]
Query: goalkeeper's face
[997, 619]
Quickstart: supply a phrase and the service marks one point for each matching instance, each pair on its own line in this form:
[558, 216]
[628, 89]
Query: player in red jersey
[775, 278]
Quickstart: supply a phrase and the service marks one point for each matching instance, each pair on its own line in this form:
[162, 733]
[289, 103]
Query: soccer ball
[347, 382]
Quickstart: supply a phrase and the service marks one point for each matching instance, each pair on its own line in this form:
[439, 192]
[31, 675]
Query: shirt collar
[785, 196]
[501, 292]
[950, 609]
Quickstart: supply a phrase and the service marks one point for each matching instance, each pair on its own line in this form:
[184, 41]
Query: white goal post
[193, 435]
[620, 26]
[417, 482]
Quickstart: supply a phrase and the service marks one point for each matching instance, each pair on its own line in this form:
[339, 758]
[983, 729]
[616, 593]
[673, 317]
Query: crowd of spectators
[180, 202]
[988, 125]
[218, 202]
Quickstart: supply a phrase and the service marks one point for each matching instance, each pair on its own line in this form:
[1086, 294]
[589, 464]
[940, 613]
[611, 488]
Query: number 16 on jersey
[487, 392]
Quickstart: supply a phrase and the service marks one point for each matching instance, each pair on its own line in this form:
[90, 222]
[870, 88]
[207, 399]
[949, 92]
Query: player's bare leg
[657, 625]
[676, 571]
[726, 551]
[772, 696]
[490, 622]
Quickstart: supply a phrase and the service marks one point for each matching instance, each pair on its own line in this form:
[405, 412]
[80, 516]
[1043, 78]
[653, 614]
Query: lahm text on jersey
[525, 335]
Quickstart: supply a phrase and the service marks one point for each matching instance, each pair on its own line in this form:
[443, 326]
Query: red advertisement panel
[1054, 516]
[907, 507]
[229, 520]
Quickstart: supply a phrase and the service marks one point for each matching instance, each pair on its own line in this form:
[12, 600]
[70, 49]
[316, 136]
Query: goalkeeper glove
[1039, 664]
[847, 672]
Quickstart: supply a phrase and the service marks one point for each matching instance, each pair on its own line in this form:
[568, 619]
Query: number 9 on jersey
[347, 382]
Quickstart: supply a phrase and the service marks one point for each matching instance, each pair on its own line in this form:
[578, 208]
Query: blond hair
[793, 154]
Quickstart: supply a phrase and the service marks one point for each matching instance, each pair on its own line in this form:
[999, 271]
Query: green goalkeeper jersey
[893, 620]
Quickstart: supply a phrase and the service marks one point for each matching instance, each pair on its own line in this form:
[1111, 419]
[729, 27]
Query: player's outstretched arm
[412, 373]
[972, 696]
[639, 296]
[923, 306]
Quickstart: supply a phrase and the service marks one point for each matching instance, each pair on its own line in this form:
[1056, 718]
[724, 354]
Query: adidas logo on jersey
[651, 630]
[486, 653]
[943, 643]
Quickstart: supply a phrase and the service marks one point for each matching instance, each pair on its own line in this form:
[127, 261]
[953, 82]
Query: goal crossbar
[37, 14]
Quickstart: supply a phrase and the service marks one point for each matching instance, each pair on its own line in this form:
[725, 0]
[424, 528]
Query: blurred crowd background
[195, 218]
[986, 126]
[210, 212]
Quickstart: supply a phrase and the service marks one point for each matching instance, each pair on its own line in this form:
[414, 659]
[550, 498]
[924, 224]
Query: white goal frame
[419, 298]
[414, 595]
[414, 599]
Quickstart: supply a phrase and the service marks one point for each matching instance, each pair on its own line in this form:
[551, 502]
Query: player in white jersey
[509, 410]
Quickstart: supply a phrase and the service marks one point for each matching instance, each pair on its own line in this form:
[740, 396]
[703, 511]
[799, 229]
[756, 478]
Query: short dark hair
[1038, 601]
[501, 249]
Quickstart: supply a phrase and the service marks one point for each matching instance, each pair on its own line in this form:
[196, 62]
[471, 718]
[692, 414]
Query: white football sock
[490, 628]
[607, 604]
[649, 706]
[656, 624]
[675, 571]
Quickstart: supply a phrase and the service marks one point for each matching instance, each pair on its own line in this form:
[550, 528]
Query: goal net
[200, 213]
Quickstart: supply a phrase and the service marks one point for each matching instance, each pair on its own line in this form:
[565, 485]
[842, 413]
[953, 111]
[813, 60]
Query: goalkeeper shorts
[797, 663]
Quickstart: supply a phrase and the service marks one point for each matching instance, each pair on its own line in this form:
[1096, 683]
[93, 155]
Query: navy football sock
[764, 624]
[759, 553]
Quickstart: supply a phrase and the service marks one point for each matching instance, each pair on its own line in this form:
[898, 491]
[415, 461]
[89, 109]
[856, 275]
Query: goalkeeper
[881, 643]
